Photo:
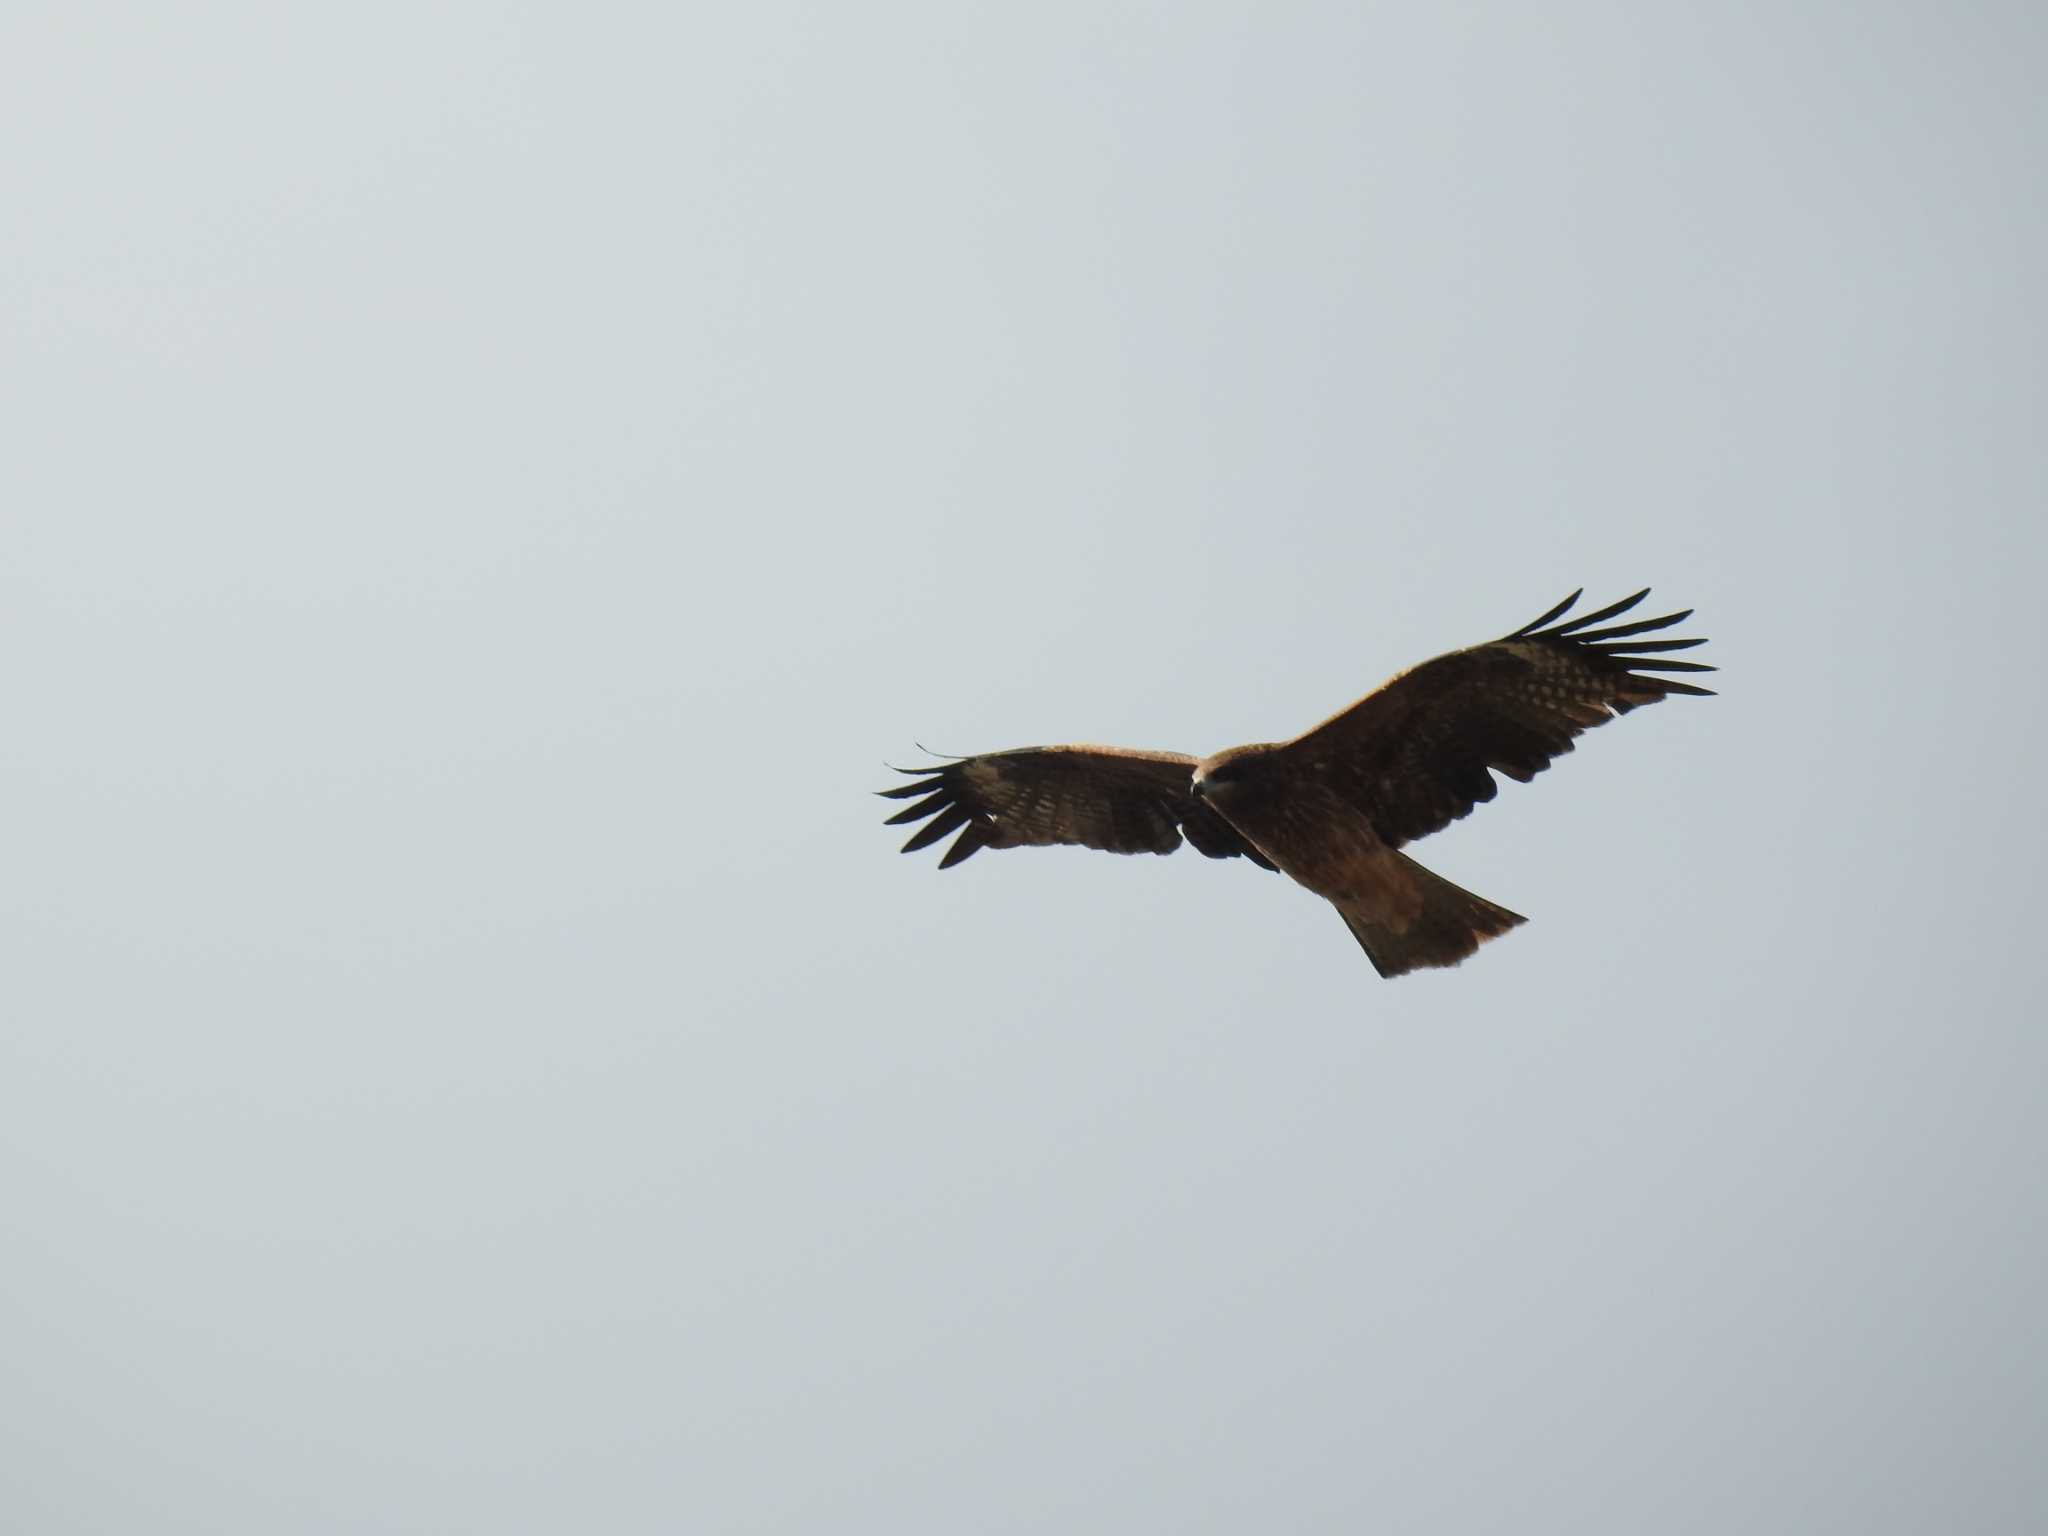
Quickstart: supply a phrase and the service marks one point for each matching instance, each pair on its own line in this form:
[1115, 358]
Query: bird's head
[1222, 777]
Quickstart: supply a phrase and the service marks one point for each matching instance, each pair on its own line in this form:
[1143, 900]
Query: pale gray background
[486, 488]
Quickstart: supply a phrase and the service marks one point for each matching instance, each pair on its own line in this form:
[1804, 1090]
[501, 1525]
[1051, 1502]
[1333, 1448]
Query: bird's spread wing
[1097, 797]
[1414, 756]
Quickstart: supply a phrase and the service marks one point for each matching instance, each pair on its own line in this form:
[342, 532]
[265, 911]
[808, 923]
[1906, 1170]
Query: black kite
[1332, 808]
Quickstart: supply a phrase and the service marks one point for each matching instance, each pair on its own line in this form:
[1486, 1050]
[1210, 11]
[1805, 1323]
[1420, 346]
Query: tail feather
[1451, 925]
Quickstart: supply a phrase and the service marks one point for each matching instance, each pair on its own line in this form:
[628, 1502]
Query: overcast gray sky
[487, 487]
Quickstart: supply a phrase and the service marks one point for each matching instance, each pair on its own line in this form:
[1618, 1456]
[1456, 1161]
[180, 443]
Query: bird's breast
[1316, 838]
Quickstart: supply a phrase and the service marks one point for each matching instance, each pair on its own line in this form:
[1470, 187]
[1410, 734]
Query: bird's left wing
[1112, 798]
[1415, 755]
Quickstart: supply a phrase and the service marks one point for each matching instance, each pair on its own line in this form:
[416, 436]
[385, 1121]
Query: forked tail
[1452, 923]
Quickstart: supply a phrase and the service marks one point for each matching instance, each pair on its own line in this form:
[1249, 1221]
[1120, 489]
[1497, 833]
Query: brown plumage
[1332, 808]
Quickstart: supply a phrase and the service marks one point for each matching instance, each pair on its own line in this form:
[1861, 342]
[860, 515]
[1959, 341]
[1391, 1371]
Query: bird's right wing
[1111, 798]
[1415, 755]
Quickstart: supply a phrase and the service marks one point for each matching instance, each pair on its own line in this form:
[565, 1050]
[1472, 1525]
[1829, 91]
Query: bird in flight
[1332, 808]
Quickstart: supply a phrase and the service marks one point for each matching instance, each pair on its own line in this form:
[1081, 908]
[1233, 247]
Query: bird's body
[1333, 807]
